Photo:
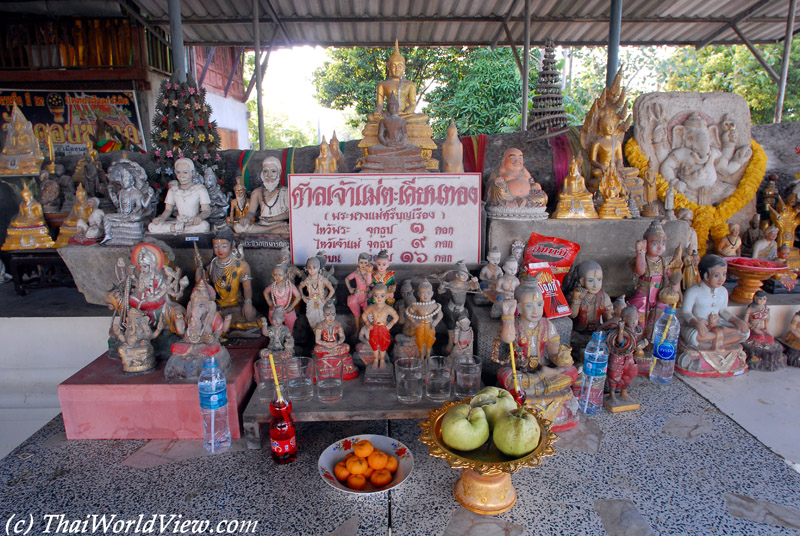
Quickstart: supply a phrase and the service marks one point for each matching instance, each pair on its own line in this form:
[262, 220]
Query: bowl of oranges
[366, 463]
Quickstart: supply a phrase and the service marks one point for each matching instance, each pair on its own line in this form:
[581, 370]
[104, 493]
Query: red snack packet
[555, 304]
[557, 252]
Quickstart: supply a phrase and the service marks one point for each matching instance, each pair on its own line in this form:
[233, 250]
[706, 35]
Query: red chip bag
[555, 304]
[557, 252]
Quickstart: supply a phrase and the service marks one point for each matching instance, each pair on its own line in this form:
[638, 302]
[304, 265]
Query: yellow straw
[513, 366]
[275, 377]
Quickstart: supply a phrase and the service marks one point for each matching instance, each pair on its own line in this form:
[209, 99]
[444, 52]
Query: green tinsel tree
[182, 127]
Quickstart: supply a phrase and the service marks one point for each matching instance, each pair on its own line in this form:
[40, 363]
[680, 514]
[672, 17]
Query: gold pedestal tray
[751, 278]
[485, 485]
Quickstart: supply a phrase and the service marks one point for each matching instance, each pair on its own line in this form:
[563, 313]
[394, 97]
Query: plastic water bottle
[665, 347]
[214, 407]
[595, 364]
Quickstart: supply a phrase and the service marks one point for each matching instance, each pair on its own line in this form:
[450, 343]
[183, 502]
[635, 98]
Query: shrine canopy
[329, 23]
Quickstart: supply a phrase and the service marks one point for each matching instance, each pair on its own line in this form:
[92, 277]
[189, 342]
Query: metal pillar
[176, 40]
[526, 66]
[257, 54]
[787, 49]
[614, 26]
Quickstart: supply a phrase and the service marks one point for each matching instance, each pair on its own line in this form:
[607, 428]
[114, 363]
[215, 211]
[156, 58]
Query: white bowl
[336, 453]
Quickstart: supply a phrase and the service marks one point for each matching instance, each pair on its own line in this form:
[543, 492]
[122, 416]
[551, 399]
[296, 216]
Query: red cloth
[474, 152]
[379, 337]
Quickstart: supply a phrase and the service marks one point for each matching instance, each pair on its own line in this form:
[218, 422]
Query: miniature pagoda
[548, 115]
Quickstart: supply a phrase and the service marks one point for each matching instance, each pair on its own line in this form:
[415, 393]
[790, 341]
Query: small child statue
[362, 279]
[330, 342]
[383, 275]
[462, 342]
[488, 275]
[425, 316]
[763, 353]
[282, 294]
[590, 306]
[379, 318]
[622, 345]
[318, 291]
[281, 342]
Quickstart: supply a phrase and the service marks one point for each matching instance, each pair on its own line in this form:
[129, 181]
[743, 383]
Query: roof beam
[141, 20]
[787, 49]
[513, 48]
[741, 17]
[757, 55]
[274, 16]
[209, 57]
[505, 21]
[239, 52]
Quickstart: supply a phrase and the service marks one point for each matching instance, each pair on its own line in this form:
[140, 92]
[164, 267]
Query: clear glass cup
[467, 371]
[299, 378]
[329, 379]
[264, 380]
[409, 372]
[438, 377]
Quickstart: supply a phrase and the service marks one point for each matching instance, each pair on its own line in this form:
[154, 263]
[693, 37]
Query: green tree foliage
[734, 69]
[278, 132]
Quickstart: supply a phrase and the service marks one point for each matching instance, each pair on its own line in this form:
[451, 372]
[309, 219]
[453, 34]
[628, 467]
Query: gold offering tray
[485, 485]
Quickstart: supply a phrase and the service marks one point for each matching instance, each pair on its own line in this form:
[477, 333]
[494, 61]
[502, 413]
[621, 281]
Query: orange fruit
[381, 478]
[363, 448]
[356, 465]
[341, 472]
[356, 482]
[391, 464]
[368, 472]
[349, 455]
[377, 460]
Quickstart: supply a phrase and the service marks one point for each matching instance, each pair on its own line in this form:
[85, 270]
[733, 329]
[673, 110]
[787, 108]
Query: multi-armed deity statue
[133, 199]
[21, 153]
[419, 133]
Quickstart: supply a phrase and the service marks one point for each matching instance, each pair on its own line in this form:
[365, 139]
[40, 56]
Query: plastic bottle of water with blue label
[665, 347]
[214, 407]
[595, 364]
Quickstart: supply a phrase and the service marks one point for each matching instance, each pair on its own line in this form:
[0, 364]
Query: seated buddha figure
[28, 230]
[512, 191]
[330, 342]
[546, 368]
[80, 211]
[575, 201]
[21, 152]
[393, 153]
[419, 132]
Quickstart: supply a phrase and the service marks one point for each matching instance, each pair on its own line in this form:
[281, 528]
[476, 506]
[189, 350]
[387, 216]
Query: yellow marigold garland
[708, 219]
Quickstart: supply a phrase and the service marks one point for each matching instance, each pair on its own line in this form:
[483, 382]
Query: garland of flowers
[708, 219]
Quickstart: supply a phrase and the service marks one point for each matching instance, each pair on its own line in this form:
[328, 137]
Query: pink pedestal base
[100, 401]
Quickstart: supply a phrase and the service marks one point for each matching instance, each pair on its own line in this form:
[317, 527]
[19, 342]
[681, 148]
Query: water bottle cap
[671, 309]
[210, 363]
[599, 335]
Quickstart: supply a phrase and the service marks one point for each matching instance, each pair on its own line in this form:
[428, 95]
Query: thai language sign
[73, 116]
[418, 219]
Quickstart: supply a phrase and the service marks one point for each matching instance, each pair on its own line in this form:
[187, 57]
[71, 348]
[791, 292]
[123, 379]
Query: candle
[275, 377]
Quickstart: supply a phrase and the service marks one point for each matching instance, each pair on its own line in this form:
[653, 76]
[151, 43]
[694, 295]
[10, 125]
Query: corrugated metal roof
[471, 22]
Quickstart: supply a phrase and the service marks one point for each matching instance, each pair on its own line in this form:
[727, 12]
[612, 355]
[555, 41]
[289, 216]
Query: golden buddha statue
[786, 218]
[80, 211]
[615, 205]
[575, 201]
[419, 132]
[602, 135]
[28, 229]
[325, 162]
[21, 153]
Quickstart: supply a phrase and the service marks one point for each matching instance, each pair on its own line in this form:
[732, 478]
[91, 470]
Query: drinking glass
[468, 376]
[329, 379]
[438, 377]
[299, 378]
[408, 375]
[264, 379]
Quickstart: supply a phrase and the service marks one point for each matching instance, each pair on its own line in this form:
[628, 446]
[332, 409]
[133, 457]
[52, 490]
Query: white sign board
[418, 219]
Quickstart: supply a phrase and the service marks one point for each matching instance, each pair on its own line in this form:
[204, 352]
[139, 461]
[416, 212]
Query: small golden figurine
[21, 153]
[575, 201]
[28, 230]
[80, 211]
[325, 162]
[786, 218]
[615, 205]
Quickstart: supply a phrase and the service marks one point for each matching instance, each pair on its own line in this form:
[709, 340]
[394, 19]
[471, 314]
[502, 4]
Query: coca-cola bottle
[283, 440]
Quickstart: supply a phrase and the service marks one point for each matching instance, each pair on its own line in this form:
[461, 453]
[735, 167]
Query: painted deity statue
[458, 285]
[282, 294]
[280, 342]
[358, 284]
[330, 342]
[49, 193]
[463, 339]
[763, 352]
[511, 191]
[504, 286]
[325, 162]
[134, 201]
[452, 151]
[240, 204]
[219, 200]
[419, 132]
[517, 250]
[731, 244]
[706, 349]
[766, 247]
[574, 200]
[191, 201]
[651, 271]
[382, 274]
[203, 328]
[791, 341]
[28, 230]
[424, 315]
[232, 280]
[80, 211]
[379, 318]
[293, 273]
[590, 306]
[686, 214]
[488, 275]
[751, 234]
[21, 154]
[269, 203]
[318, 291]
[393, 153]
[135, 348]
[623, 342]
[547, 368]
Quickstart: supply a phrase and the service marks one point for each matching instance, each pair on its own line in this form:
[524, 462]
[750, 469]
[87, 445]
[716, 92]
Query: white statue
[270, 202]
[191, 201]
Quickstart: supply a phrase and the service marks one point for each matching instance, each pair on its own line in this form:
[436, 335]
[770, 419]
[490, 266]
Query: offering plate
[485, 484]
[751, 273]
